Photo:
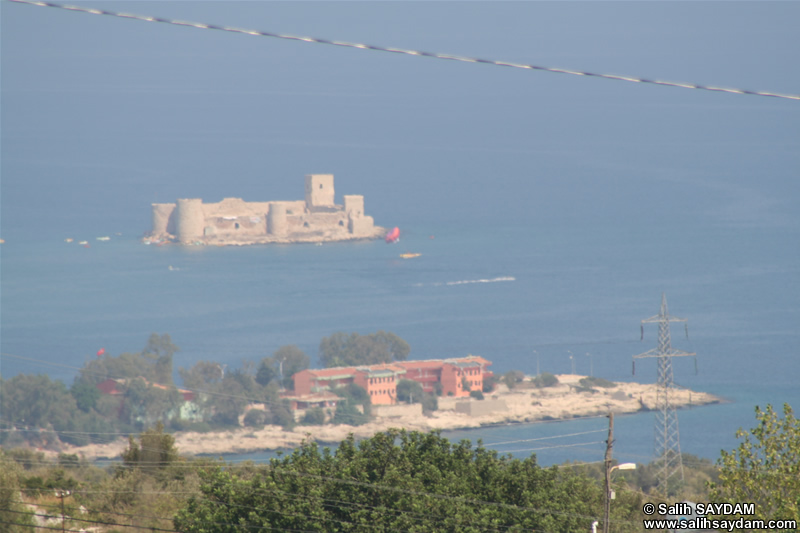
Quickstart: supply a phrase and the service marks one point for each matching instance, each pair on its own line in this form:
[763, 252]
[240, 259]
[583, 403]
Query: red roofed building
[452, 374]
[380, 381]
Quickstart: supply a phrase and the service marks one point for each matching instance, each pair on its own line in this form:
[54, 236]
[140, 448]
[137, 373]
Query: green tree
[37, 401]
[409, 391]
[145, 403]
[85, 395]
[765, 468]
[203, 376]
[347, 413]
[489, 383]
[286, 361]
[255, 418]
[266, 372]
[15, 517]
[342, 349]
[512, 377]
[153, 363]
[394, 481]
[155, 450]
[314, 417]
[430, 402]
[160, 350]
[545, 379]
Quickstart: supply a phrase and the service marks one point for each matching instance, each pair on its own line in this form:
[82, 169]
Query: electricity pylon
[668, 440]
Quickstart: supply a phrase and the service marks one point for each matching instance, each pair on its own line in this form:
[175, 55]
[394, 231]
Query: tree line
[42, 412]
[395, 480]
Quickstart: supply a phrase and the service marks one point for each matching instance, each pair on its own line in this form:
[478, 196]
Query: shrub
[430, 402]
[478, 395]
[282, 416]
[596, 382]
[314, 417]
[255, 418]
[346, 413]
[545, 379]
[512, 377]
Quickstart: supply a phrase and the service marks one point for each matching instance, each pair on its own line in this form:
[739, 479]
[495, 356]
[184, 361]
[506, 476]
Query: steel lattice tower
[668, 442]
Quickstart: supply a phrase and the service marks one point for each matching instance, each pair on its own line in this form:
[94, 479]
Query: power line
[417, 53]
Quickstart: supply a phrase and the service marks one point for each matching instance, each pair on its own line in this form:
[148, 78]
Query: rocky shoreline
[564, 401]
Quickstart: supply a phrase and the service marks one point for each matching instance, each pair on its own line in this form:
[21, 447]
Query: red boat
[393, 236]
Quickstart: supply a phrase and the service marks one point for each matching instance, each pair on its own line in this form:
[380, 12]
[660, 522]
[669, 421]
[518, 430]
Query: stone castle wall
[234, 221]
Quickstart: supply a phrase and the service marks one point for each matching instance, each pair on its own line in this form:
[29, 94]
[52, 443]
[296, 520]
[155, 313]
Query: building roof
[389, 369]
[470, 360]
[313, 397]
[342, 372]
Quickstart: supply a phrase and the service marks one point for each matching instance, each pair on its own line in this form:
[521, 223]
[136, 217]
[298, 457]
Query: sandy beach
[523, 405]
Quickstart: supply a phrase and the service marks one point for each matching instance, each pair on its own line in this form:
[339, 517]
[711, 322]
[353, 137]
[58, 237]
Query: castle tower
[354, 205]
[357, 222]
[276, 219]
[319, 191]
[190, 219]
[163, 222]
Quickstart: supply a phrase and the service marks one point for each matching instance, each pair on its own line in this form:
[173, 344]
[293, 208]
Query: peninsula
[234, 222]
[564, 401]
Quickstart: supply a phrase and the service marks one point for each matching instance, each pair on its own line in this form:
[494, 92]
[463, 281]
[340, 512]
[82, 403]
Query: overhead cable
[362, 46]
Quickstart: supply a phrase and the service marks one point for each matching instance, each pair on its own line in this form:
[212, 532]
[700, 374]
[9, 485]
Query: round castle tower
[276, 219]
[190, 219]
[161, 219]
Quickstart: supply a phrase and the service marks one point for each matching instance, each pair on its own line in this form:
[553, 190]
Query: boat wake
[469, 281]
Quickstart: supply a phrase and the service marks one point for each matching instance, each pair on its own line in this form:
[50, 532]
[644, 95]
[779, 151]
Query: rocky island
[234, 222]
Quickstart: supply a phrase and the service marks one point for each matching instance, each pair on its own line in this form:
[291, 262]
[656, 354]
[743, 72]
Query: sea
[551, 211]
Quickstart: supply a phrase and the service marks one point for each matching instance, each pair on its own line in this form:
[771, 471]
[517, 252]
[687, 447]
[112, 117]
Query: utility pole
[667, 445]
[61, 495]
[609, 445]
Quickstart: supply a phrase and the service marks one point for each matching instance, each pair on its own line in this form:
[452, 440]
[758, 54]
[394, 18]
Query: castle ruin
[236, 222]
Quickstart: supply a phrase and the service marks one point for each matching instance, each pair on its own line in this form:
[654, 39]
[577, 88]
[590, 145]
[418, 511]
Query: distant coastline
[520, 405]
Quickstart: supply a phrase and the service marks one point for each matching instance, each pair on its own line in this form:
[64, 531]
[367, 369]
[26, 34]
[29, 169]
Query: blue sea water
[551, 211]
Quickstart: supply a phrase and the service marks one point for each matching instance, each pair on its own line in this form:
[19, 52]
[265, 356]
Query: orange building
[457, 378]
[380, 381]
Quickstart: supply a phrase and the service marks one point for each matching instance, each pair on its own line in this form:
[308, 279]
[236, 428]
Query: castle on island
[233, 221]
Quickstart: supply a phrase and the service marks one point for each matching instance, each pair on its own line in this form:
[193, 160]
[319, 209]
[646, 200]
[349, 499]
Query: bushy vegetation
[512, 378]
[409, 390]
[489, 383]
[545, 379]
[44, 413]
[591, 382]
[396, 480]
[281, 366]
[343, 349]
[314, 417]
[347, 408]
[765, 468]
